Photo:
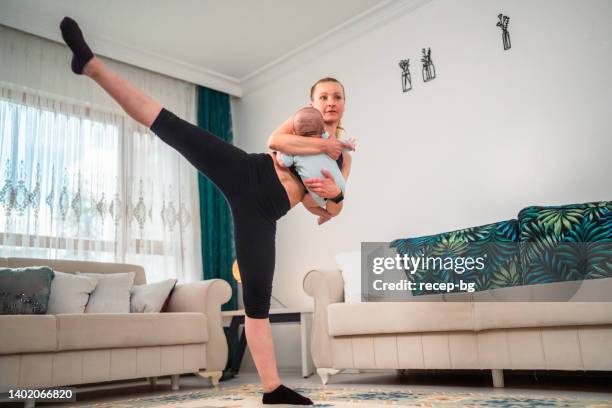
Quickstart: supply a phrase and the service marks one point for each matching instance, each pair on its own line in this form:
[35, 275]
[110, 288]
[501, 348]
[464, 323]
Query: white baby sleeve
[286, 159]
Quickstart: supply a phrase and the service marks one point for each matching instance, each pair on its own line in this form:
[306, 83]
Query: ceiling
[217, 43]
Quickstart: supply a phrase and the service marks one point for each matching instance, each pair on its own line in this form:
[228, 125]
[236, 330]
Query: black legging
[255, 195]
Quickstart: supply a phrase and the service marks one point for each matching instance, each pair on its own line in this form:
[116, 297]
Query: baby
[308, 122]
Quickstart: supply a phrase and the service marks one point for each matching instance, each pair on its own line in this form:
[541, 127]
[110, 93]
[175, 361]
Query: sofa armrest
[326, 287]
[206, 297]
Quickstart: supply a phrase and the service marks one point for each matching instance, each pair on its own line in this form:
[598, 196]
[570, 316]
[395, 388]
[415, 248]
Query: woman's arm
[346, 166]
[283, 140]
[332, 208]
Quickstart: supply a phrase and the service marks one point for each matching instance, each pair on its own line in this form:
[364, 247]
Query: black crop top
[339, 161]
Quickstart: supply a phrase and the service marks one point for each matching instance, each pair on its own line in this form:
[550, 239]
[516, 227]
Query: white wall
[494, 132]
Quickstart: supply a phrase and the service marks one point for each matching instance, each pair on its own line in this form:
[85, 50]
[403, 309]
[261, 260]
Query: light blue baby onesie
[309, 166]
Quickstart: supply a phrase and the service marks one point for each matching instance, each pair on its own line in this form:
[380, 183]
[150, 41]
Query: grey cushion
[150, 298]
[25, 290]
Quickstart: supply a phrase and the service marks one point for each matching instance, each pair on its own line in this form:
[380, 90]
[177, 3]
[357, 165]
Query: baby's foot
[72, 35]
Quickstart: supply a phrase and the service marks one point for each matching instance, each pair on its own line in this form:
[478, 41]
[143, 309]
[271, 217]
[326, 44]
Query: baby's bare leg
[311, 205]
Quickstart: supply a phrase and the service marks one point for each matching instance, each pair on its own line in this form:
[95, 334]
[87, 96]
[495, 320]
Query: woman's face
[328, 99]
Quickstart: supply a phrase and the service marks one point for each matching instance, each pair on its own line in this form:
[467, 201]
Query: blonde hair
[339, 128]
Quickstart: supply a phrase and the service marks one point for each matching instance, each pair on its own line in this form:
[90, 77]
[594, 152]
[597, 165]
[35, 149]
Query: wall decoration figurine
[503, 24]
[429, 70]
[406, 79]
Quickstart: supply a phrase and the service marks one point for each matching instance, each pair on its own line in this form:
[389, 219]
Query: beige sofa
[457, 332]
[39, 351]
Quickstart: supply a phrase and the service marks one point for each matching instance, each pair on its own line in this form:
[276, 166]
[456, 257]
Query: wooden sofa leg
[325, 373]
[214, 376]
[152, 381]
[175, 382]
[498, 378]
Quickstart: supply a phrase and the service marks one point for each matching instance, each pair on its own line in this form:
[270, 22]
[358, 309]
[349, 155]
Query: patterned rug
[249, 395]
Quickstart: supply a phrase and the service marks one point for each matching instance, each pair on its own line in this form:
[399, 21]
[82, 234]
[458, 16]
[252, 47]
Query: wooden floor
[552, 383]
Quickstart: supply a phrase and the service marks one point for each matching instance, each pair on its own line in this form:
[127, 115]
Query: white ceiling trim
[47, 27]
[359, 25]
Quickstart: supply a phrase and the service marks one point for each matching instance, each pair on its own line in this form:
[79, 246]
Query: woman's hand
[324, 187]
[350, 143]
[334, 147]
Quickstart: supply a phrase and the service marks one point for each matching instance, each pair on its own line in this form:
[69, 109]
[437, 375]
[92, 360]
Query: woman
[257, 189]
[327, 96]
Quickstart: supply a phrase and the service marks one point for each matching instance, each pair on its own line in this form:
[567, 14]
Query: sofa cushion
[546, 292]
[398, 317]
[407, 317]
[25, 290]
[150, 298]
[27, 333]
[509, 315]
[349, 264]
[70, 293]
[566, 243]
[72, 266]
[495, 245]
[112, 293]
[594, 290]
[114, 330]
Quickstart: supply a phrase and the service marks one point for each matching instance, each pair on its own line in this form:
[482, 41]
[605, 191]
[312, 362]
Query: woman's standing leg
[255, 238]
[261, 346]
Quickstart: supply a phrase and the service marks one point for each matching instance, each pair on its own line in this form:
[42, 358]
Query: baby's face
[308, 122]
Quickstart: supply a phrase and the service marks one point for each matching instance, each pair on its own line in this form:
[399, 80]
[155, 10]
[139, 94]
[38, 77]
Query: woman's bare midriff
[292, 185]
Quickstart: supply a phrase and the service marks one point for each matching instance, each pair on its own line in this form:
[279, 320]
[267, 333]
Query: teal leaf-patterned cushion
[497, 243]
[566, 243]
[25, 290]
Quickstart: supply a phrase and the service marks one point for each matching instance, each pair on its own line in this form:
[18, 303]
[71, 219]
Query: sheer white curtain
[81, 180]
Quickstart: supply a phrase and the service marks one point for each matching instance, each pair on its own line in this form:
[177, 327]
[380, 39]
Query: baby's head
[308, 122]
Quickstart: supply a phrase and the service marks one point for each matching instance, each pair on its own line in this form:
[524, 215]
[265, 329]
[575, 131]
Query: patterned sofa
[543, 302]
[40, 351]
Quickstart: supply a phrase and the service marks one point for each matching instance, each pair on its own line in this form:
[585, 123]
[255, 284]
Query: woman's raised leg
[223, 163]
[142, 108]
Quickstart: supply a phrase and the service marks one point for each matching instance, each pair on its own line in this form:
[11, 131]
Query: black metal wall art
[429, 70]
[406, 79]
[503, 24]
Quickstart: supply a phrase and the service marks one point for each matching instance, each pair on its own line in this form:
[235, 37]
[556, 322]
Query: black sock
[72, 35]
[284, 395]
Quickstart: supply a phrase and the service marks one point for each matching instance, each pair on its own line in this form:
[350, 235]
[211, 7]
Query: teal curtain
[218, 253]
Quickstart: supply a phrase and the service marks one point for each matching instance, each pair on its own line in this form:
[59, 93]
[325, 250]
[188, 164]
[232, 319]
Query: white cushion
[349, 264]
[112, 295]
[150, 298]
[70, 293]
